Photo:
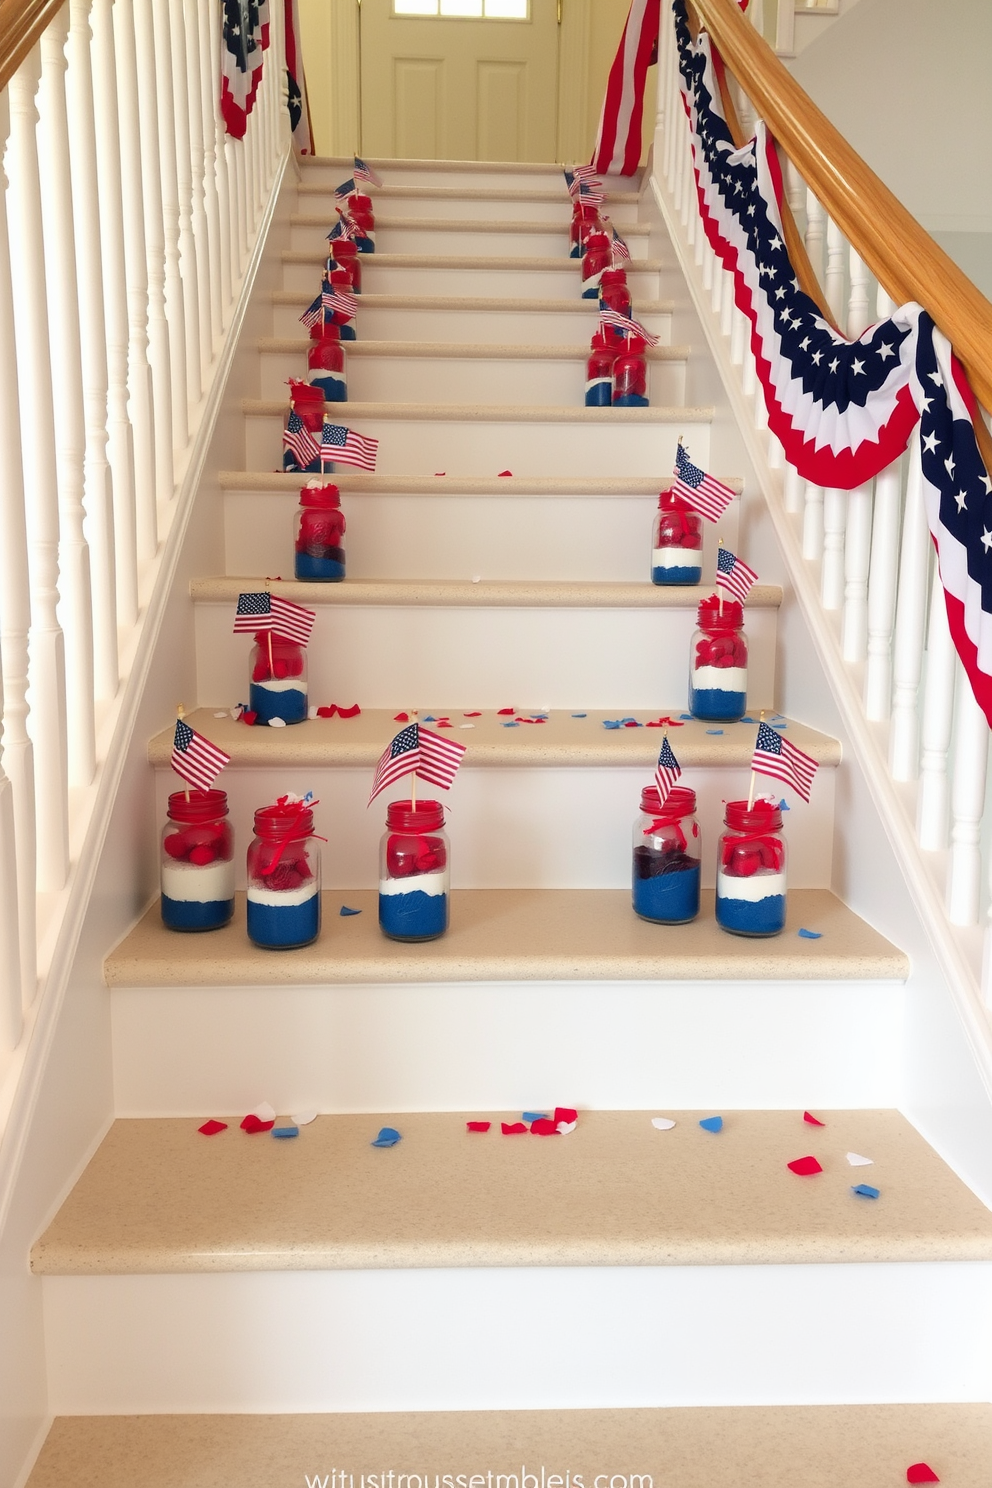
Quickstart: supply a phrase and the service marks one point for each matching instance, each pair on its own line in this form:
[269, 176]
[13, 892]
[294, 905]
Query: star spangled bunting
[299, 440]
[417, 751]
[338, 302]
[263, 611]
[704, 493]
[312, 313]
[195, 759]
[666, 771]
[775, 756]
[365, 173]
[345, 447]
[733, 574]
[244, 38]
[626, 324]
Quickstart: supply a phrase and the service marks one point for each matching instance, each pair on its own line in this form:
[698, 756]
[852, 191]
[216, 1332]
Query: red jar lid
[301, 392]
[711, 618]
[202, 806]
[343, 248]
[404, 816]
[681, 802]
[613, 277]
[320, 496]
[283, 820]
[764, 816]
[324, 331]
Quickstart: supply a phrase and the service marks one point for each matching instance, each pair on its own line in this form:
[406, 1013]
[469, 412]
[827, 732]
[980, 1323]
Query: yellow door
[459, 79]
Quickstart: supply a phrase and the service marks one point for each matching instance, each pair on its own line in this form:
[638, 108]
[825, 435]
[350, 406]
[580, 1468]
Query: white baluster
[175, 305]
[882, 592]
[159, 340]
[857, 552]
[46, 665]
[971, 755]
[200, 234]
[739, 337]
[11, 1013]
[93, 342]
[794, 492]
[213, 294]
[239, 229]
[75, 610]
[911, 604]
[225, 210]
[749, 371]
[120, 449]
[15, 605]
[834, 528]
[139, 375]
[189, 267]
[727, 306]
[858, 304]
[938, 713]
[816, 227]
[716, 283]
[813, 523]
[834, 284]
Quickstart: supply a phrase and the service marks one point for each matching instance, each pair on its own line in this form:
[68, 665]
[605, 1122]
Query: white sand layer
[677, 558]
[759, 886]
[286, 898]
[198, 885]
[724, 679]
[428, 883]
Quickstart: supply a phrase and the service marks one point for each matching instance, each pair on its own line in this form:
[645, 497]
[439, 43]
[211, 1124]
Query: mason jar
[346, 256]
[614, 293]
[326, 363]
[585, 220]
[750, 872]
[718, 664]
[666, 857]
[197, 872]
[320, 532]
[677, 547]
[278, 687]
[413, 871]
[597, 258]
[630, 375]
[283, 877]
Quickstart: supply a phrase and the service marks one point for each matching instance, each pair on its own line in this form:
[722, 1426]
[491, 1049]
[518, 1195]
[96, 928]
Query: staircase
[623, 1300]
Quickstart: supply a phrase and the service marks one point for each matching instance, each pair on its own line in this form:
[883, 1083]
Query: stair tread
[492, 413]
[475, 302]
[860, 1446]
[158, 1197]
[537, 263]
[487, 593]
[515, 935]
[353, 483]
[466, 224]
[467, 350]
[563, 741]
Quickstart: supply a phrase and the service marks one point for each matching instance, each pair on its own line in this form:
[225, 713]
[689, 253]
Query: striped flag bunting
[365, 173]
[733, 574]
[195, 759]
[299, 440]
[618, 141]
[704, 493]
[624, 323]
[263, 611]
[775, 756]
[244, 38]
[666, 771]
[592, 193]
[338, 302]
[296, 83]
[345, 447]
[417, 751]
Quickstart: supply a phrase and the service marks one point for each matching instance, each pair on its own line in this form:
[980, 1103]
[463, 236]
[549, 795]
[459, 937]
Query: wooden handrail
[907, 262]
[21, 24]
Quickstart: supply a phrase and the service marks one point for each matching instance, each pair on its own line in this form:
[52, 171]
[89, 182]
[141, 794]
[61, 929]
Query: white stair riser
[465, 447]
[440, 279]
[563, 327]
[404, 379]
[465, 209]
[521, 827]
[463, 1339]
[651, 1046]
[551, 242]
[443, 537]
[486, 658]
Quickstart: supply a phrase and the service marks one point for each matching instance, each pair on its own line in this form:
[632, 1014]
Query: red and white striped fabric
[618, 142]
[296, 83]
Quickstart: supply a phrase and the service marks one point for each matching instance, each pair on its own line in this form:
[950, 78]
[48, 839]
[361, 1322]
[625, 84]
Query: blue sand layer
[334, 389]
[415, 916]
[631, 400]
[713, 702]
[348, 333]
[191, 914]
[575, 251]
[742, 917]
[676, 575]
[591, 294]
[289, 463]
[290, 705]
[600, 395]
[328, 570]
[282, 926]
[365, 245]
[670, 898]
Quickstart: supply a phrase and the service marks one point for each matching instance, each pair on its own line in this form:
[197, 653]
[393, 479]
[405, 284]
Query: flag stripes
[775, 756]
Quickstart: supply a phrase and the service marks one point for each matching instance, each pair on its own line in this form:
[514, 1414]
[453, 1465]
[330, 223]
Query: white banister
[935, 733]
[175, 308]
[11, 1010]
[882, 579]
[816, 228]
[46, 663]
[971, 754]
[911, 606]
[857, 552]
[15, 607]
[188, 262]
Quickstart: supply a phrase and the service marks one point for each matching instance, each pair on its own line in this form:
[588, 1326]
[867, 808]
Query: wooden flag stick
[181, 713]
[413, 777]
[750, 794]
[719, 585]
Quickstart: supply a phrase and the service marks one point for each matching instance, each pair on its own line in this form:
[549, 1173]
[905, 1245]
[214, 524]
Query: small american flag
[342, 192]
[775, 756]
[312, 313]
[365, 173]
[283, 617]
[416, 751]
[578, 176]
[733, 574]
[592, 193]
[627, 325]
[299, 440]
[345, 447]
[344, 228]
[704, 493]
[338, 303]
[621, 253]
[195, 759]
[666, 771]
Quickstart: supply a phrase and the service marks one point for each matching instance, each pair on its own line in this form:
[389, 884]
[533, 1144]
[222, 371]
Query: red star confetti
[505, 712]
[804, 1166]
[471, 715]
[211, 1128]
[252, 1124]
[565, 1113]
[811, 1120]
[479, 1126]
[921, 1472]
[440, 472]
[333, 708]
[544, 1127]
[443, 723]
[248, 716]
[506, 472]
[512, 1128]
[401, 718]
